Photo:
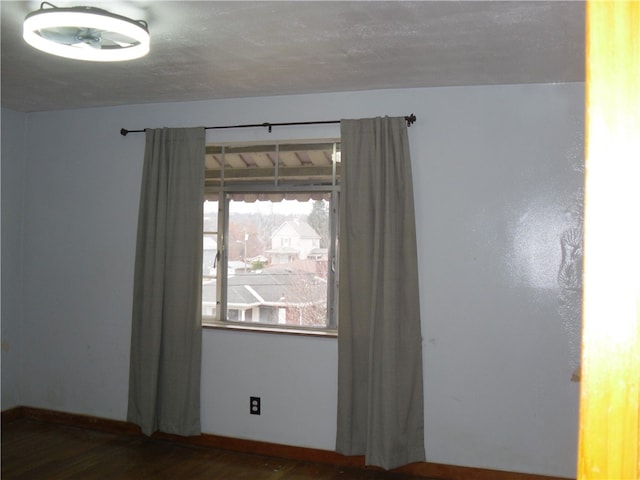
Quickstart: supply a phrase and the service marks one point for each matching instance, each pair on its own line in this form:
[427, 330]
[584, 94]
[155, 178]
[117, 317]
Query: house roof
[274, 286]
[302, 229]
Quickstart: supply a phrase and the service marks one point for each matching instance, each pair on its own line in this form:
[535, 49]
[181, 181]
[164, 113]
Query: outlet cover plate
[254, 405]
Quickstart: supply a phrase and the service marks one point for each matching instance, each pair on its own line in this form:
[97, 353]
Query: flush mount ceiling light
[86, 33]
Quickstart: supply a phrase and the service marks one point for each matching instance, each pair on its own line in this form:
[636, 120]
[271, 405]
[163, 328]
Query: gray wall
[496, 169]
[13, 181]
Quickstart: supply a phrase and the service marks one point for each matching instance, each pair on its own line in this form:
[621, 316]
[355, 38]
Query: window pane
[209, 257]
[269, 256]
[277, 259]
[291, 163]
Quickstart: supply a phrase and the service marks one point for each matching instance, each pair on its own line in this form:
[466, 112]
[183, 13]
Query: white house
[292, 241]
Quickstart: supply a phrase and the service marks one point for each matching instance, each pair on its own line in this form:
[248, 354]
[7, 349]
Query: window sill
[320, 333]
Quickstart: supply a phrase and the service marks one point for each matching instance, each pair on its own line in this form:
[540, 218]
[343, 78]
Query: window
[270, 235]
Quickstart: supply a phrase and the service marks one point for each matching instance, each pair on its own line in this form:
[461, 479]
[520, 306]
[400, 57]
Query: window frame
[275, 184]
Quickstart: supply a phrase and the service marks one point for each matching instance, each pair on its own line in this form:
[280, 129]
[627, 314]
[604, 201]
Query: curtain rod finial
[123, 132]
[410, 119]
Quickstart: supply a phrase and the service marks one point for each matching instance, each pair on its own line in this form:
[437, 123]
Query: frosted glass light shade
[94, 26]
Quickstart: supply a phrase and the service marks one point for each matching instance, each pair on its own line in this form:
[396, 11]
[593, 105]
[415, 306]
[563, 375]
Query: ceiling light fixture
[86, 33]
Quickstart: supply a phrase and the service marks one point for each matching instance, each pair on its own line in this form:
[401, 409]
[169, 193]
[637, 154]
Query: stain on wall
[570, 271]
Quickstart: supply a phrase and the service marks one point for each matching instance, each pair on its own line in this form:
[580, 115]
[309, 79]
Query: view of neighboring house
[290, 288]
[274, 296]
[294, 240]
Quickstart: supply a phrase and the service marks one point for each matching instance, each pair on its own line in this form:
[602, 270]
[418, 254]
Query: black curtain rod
[410, 120]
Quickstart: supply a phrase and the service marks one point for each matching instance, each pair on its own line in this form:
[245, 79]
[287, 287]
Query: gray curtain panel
[166, 338]
[380, 404]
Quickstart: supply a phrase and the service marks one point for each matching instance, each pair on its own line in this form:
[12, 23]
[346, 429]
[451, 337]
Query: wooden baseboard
[83, 421]
[12, 414]
[422, 469]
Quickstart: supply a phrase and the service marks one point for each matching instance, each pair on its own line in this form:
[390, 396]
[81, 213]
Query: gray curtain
[380, 404]
[166, 338]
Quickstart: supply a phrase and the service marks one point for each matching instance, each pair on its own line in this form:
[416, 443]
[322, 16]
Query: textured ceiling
[210, 50]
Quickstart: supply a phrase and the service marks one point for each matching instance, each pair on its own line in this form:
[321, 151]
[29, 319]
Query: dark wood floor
[43, 451]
